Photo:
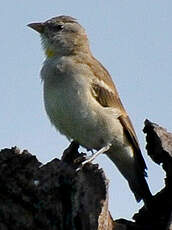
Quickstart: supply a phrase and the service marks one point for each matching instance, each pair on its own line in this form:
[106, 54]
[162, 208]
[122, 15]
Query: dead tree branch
[56, 196]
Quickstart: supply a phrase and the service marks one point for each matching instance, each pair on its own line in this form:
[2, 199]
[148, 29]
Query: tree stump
[56, 196]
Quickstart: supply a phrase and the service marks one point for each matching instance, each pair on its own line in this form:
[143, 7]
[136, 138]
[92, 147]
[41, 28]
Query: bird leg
[90, 159]
[91, 150]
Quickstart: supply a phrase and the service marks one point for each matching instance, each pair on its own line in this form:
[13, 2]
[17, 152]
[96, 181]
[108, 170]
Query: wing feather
[105, 93]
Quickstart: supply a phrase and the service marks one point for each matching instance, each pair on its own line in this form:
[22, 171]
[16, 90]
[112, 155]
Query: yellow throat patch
[49, 52]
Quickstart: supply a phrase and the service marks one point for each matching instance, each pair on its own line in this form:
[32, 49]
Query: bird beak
[39, 27]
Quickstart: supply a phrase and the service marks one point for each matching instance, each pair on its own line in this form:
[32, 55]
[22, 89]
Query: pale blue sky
[133, 39]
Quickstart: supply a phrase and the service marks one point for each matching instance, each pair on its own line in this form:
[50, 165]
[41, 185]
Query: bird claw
[90, 159]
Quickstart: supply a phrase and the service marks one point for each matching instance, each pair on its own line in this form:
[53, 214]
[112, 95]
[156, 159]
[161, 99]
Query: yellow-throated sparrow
[82, 102]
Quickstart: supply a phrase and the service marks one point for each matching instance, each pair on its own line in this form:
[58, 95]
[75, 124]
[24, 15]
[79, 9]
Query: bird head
[61, 35]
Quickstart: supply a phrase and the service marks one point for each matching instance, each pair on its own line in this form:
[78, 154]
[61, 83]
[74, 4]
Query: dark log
[159, 148]
[56, 196]
[52, 196]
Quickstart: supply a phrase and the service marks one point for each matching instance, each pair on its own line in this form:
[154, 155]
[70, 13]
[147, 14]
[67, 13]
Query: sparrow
[82, 101]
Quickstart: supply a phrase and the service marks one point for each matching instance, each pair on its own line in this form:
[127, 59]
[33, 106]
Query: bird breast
[73, 110]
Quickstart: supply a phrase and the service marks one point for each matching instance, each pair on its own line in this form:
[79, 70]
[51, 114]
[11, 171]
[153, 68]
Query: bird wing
[105, 93]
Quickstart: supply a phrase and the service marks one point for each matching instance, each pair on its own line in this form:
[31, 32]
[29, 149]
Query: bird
[82, 101]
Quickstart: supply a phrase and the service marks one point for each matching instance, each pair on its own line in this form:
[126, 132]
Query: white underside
[76, 114]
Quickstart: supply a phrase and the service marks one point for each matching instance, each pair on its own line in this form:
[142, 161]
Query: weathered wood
[52, 196]
[56, 196]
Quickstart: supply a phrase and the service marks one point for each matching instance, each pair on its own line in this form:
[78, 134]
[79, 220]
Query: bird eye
[56, 28]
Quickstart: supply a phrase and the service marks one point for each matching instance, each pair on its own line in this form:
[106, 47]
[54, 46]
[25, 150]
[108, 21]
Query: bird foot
[90, 159]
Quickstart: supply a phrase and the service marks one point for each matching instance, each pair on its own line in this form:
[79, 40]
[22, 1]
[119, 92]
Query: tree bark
[57, 196]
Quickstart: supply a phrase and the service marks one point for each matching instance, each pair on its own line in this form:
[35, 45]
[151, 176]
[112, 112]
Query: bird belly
[74, 112]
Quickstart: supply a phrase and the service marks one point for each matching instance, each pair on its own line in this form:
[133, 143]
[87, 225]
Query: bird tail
[128, 165]
[139, 187]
